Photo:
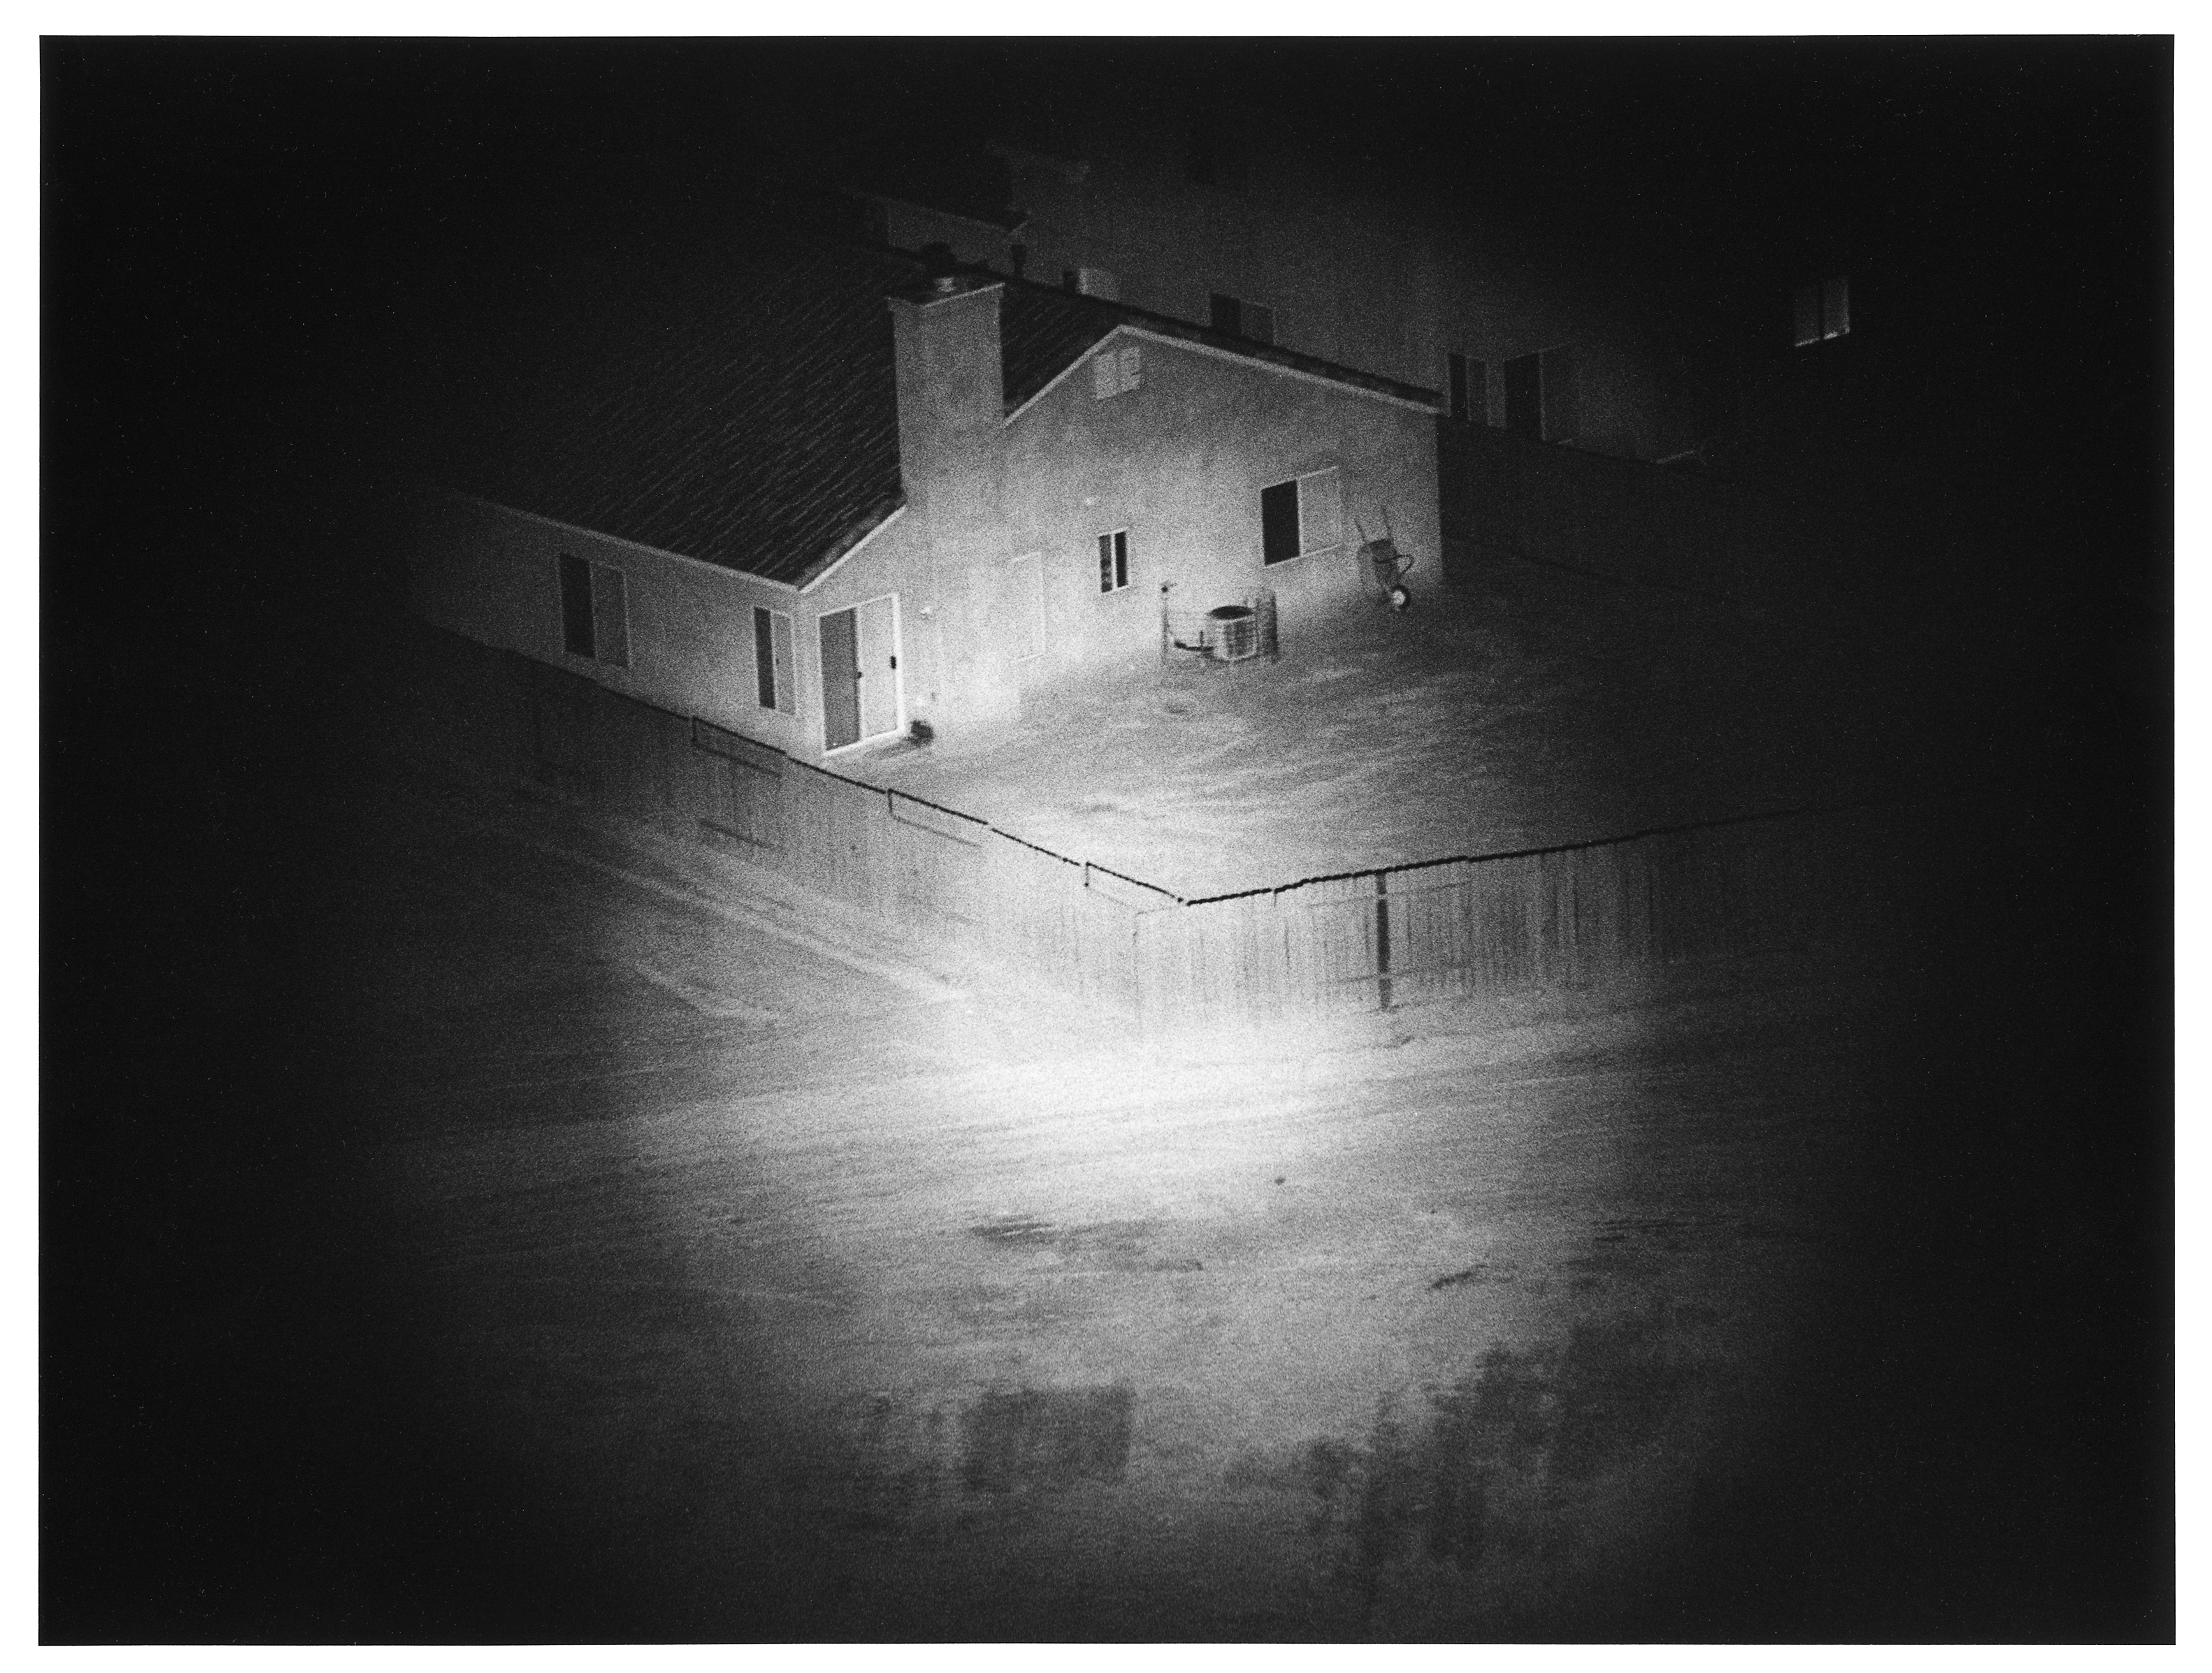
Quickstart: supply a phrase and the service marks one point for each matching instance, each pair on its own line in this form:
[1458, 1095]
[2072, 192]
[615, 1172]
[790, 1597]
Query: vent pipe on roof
[941, 268]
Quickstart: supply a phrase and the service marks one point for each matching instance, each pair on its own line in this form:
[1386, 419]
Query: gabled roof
[734, 405]
[737, 404]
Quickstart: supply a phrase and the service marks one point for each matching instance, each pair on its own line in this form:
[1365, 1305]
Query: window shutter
[766, 685]
[575, 605]
[1279, 522]
[786, 676]
[609, 615]
[1105, 562]
[1321, 511]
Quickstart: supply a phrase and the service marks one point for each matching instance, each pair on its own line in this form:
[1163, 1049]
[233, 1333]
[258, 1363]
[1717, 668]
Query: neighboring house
[814, 491]
[1238, 219]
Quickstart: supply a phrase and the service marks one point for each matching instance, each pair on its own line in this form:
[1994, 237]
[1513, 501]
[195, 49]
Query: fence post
[1383, 937]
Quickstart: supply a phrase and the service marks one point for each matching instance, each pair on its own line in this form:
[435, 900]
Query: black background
[264, 265]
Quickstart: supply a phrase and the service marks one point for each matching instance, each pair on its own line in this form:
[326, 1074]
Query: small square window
[1114, 561]
[1116, 371]
[1304, 514]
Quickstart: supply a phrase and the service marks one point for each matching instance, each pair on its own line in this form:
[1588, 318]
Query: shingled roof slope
[738, 406]
[739, 403]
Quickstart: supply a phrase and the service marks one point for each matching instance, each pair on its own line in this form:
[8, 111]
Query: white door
[877, 653]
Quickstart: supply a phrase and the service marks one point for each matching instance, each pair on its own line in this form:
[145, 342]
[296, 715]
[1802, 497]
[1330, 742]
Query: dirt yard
[799, 1300]
[1533, 707]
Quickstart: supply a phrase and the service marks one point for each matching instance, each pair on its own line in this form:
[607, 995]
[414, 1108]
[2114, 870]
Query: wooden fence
[1561, 917]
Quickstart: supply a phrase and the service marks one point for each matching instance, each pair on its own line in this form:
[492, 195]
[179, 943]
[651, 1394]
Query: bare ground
[1532, 707]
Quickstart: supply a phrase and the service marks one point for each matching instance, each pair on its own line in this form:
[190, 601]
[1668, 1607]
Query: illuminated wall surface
[474, 1209]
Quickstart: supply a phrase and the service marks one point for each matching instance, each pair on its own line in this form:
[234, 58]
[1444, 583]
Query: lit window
[771, 670]
[1114, 561]
[1302, 515]
[1824, 311]
[594, 611]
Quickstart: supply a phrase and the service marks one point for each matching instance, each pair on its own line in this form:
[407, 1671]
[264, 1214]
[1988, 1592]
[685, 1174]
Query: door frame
[898, 671]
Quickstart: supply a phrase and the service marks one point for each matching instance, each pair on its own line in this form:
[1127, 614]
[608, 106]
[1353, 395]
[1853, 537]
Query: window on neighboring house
[1541, 397]
[1114, 561]
[1469, 382]
[774, 679]
[1302, 515]
[1824, 311]
[1117, 371]
[594, 611]
[1225, 314]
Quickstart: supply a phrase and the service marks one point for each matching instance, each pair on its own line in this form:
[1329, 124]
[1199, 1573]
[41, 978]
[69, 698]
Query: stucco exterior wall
[1179, 462]
[492, 575]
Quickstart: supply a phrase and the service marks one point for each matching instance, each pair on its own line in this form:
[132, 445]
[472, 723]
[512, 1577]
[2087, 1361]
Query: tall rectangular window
[1469, 382]
[1542, 398]
[1114, 561]
[774, 677]
[1301, 516]
[594, 610]
[1824, 311]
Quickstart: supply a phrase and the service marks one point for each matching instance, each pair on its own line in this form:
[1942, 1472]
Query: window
[1469, 382]
[1117, 371]
[1114, 561]
[1225, 314]
[1304, 514]
[774, 678]
[594, 611]
[1540, 395]
[1824, 311]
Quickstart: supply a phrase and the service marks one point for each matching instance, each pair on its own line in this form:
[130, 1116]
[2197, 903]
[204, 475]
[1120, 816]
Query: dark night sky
[265, 263]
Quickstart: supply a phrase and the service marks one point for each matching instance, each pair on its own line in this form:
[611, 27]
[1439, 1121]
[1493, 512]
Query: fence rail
[1484, 925]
